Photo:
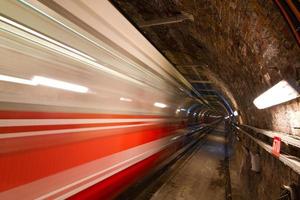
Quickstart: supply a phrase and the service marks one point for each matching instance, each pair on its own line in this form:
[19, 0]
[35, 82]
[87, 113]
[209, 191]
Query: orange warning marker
[276, 146]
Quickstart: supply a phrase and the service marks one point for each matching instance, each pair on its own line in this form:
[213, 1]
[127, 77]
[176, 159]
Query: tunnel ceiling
[239, 47]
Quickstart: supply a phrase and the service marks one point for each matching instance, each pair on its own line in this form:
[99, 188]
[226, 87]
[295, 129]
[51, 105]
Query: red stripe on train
[114, 185]
[110, 187]
[13, 129]
[15, 144]
[26, 166]
[60, 115]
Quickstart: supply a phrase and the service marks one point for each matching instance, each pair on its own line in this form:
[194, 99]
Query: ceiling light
[39, 80]
[235, 113]
[160, 105]
[279, 93]
[16, 80]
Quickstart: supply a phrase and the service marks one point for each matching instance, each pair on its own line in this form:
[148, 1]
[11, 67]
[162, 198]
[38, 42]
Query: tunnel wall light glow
[160, 105]
[39, 80]
[279, 93]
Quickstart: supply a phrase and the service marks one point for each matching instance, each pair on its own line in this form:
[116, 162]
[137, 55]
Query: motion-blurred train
[87, 104]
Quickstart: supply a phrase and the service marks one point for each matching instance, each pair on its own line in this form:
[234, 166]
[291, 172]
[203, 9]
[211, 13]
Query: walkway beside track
[203, 175]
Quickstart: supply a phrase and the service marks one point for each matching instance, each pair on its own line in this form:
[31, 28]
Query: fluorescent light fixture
[235, 113]
[39, 80]
[125, 99]
[16, 80]
[160, 105]
[279, 93]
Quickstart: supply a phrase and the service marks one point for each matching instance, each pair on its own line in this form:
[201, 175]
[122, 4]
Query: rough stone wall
[246, 44]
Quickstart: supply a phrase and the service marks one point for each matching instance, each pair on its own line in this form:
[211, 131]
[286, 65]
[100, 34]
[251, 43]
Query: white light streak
[279, 93]
[44, 37]
[160, 105]
[176, 137]
[35, 37]
[16, 80]
[125, 99]
[40, 80]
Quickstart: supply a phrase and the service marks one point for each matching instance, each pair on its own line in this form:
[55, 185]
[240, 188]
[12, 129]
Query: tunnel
[141, 99]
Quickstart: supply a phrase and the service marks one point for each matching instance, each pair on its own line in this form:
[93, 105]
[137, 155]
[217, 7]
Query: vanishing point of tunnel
[150, 99]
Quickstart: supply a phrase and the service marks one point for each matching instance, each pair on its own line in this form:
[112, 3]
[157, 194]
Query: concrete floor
[201, 177]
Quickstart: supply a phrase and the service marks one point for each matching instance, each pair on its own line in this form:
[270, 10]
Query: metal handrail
[286, 138]
[291, 161]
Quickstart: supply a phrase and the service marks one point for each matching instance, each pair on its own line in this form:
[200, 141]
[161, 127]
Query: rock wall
[246, 44]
